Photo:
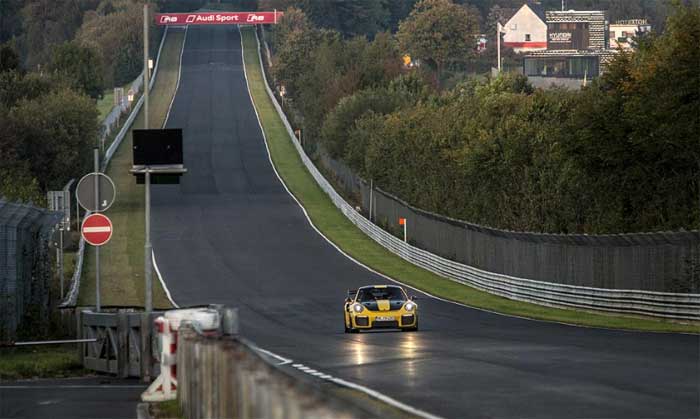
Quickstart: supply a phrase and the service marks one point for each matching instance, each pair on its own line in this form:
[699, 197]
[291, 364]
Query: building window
[612, 34]
[527, 37]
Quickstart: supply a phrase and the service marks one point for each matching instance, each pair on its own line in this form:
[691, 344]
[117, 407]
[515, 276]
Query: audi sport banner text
[213, 18]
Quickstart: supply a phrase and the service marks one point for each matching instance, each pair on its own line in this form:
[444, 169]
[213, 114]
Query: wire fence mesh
[25, 267]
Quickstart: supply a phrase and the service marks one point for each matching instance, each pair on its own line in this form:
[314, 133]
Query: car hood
[383, 305]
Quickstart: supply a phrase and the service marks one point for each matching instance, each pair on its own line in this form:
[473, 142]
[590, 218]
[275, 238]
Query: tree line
[621, 155]
[57, 57]
[368, 17]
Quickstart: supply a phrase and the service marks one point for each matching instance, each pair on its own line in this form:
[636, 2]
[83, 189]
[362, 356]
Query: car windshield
[373, 294]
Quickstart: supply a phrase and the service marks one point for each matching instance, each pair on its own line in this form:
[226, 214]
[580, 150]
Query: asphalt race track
[230, 233]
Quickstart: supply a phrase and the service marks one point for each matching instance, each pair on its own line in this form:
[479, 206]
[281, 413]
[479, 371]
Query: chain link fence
[25, 267]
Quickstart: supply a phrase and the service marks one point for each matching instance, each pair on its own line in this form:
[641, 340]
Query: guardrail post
[79, 335]
[122, 345]
[229, 321]
[145, 347]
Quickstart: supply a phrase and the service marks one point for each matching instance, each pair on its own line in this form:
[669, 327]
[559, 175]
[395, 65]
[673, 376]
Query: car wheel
[410, 329]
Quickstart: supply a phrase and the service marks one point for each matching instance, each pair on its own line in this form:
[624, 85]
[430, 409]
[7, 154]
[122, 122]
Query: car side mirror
[348, 300]
[412, 298]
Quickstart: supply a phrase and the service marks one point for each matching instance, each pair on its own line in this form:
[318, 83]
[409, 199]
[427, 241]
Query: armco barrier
[649, 303]
[71, 298]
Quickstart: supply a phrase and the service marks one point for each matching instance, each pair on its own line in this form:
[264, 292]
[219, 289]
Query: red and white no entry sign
[97, 229]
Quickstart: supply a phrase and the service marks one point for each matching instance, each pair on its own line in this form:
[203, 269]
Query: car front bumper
[384, 320]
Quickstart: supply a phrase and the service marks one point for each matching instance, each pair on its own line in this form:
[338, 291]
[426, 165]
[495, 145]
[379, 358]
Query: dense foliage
[622, 155]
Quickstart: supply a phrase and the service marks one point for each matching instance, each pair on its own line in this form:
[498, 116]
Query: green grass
[40, 362]
[122, 258]
[343, 233]
[166, 410]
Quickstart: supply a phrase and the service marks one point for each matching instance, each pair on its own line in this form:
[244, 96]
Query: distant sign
[85, 192]
[214, 18]
[59, 201]
[560, 37]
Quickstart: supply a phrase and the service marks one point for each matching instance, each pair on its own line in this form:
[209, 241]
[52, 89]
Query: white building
[526, 31]
[623, 32]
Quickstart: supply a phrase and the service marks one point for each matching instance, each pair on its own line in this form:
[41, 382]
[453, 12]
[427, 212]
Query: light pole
[148, 248]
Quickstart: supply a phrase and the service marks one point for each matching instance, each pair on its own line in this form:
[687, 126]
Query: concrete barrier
[224, 377]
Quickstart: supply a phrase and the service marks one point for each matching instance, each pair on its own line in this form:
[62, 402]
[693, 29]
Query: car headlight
[410, 306]
[357, 307]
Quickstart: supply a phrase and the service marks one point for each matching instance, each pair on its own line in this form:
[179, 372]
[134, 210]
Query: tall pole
[498, 43]
[60, 260]
[147, 248]
[371, 198]
[146, 76]
[98, 305]
[405, 236]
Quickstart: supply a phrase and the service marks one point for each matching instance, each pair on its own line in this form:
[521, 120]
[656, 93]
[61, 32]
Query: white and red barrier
[164, 387]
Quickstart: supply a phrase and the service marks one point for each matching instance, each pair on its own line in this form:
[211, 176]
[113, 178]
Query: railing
[648, 303]
[122, 340]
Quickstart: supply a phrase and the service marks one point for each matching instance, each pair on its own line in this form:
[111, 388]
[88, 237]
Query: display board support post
[148, 266]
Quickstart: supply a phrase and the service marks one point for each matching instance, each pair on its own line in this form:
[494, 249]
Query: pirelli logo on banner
[212, 18]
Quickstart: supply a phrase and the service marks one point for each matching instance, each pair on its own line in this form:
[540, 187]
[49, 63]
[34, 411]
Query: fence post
[79, 335]
[145, 347]
[122, 345]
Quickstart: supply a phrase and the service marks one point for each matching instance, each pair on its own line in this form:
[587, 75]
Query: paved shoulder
[92, 397]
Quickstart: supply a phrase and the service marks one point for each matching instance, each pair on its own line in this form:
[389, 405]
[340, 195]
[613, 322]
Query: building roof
[538, 10]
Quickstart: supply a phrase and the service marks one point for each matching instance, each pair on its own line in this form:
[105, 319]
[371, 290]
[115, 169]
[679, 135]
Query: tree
[9, 59]
[81, 64]
[439, 31]
[118, 41]
[55, 134]
[46, 23]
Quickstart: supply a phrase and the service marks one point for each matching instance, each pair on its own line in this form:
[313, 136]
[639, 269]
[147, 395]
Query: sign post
[404, 223]
[157, 158]
[95, 192]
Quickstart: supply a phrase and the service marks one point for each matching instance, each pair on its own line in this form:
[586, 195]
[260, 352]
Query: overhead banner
[217, 18]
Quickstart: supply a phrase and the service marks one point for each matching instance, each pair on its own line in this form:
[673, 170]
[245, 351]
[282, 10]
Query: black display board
[157, 147]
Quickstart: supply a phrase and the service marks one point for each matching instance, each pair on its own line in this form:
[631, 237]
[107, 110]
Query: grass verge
[122, 258]
[40, 362]
[166, 410]
[343, 233]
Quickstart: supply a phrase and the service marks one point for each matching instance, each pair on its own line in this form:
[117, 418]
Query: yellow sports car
[379, 306]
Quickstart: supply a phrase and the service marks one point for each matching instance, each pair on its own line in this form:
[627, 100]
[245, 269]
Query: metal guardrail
[71, 298]
[649, 303]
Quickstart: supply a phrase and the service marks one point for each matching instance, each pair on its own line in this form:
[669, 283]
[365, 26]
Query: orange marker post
[404, 223]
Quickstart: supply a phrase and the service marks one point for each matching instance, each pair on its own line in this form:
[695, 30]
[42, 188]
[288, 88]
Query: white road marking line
[105, 229]
[283, 361]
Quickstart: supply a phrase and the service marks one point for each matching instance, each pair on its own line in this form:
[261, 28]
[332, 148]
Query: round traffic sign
[85, 192]
[96, 229]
